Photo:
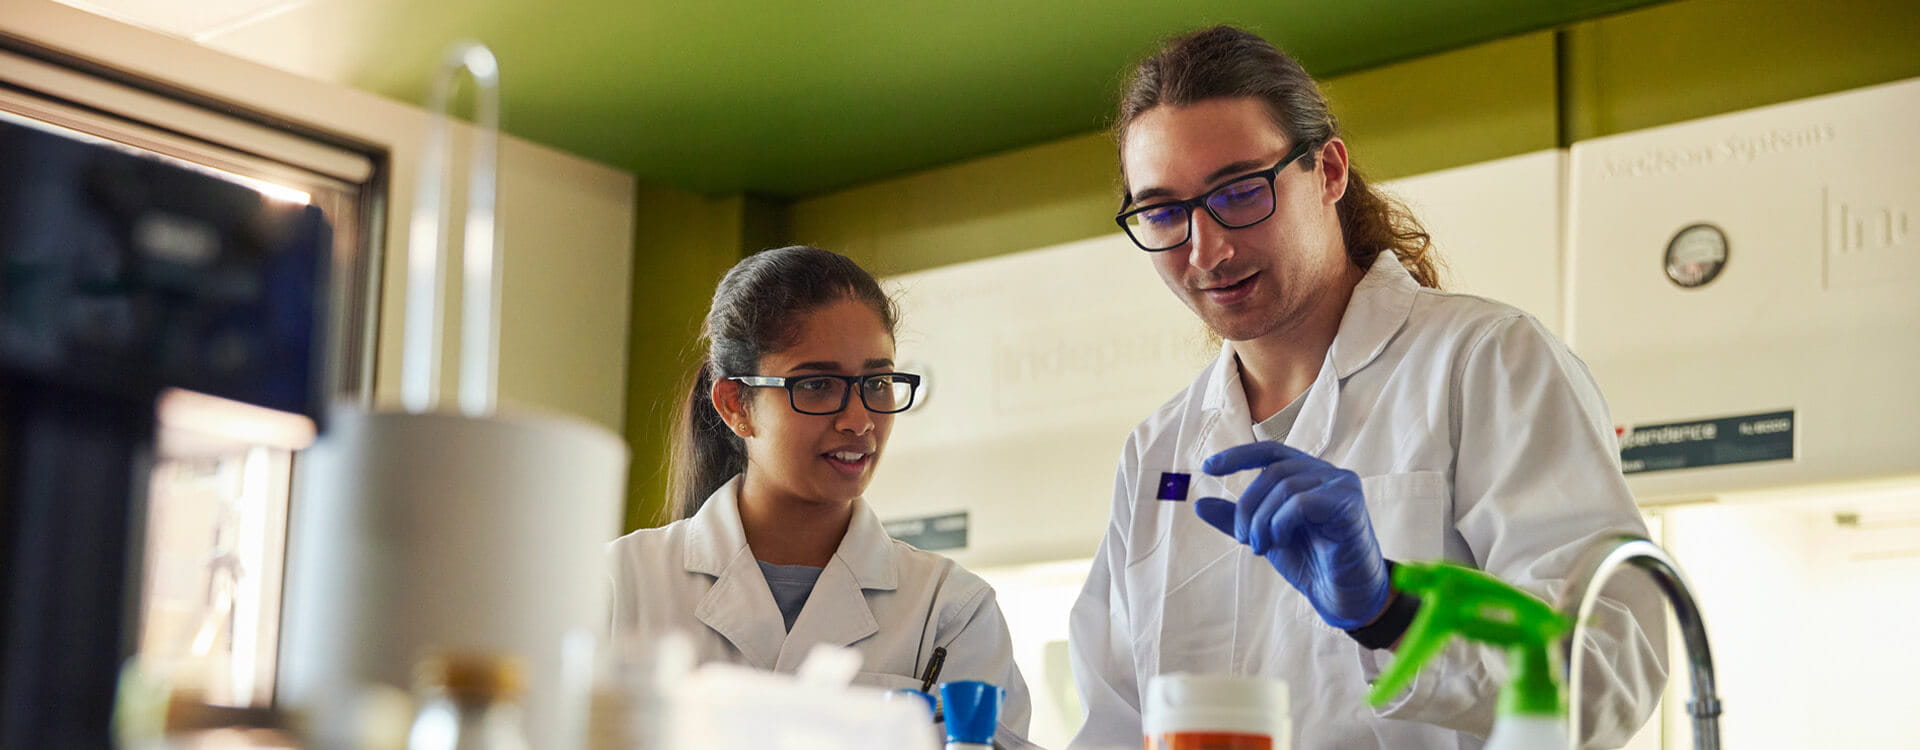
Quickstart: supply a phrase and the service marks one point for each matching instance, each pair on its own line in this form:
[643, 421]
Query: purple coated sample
[1173, 486]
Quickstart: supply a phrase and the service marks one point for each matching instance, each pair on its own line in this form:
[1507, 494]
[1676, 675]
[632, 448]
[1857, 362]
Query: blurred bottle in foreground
[469, 701]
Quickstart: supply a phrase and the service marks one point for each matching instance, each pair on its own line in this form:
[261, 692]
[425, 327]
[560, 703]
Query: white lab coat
[1478, 439]
[881, 597]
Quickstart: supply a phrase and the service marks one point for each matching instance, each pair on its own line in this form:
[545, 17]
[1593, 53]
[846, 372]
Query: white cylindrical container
[418, 533]
[422, 532]
[1529, 732]
[1215, 712]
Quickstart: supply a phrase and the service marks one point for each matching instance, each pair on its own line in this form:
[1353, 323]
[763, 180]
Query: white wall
[1496, 228]
[1809, 615]
[566, 222]
[1037, 365]
[1037, 600]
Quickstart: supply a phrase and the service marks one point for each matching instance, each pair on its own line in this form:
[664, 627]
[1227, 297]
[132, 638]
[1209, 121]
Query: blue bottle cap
[915, 697]
[973, 710]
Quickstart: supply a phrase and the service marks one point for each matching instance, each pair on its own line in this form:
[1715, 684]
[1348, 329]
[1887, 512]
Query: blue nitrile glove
[1309, 519]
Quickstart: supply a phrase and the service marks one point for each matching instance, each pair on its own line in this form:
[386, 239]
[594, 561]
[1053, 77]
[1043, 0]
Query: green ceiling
[798, 98]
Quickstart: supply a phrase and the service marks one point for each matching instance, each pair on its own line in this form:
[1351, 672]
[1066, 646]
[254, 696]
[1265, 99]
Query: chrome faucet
[1600, 562]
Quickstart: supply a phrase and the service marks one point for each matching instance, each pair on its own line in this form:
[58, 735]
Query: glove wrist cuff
[1392, 623]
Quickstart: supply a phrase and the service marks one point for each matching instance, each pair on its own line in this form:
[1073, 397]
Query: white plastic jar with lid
[1216, 712]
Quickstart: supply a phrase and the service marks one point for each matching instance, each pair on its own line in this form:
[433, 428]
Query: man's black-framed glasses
[882, 393]
[1242, 202]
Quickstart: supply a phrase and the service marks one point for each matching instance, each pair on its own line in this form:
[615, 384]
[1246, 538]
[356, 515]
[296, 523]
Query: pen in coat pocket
[934, 663]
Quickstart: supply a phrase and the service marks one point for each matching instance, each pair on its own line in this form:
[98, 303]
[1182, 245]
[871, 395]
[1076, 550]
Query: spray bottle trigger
[1468, 602]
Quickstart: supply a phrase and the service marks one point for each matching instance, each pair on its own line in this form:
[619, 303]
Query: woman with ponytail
[776, 550]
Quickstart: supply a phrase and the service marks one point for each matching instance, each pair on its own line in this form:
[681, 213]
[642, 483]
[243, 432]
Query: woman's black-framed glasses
[882, 393]
[1242, 202]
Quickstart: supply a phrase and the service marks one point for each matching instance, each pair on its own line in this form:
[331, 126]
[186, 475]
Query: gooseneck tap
[1601, 560]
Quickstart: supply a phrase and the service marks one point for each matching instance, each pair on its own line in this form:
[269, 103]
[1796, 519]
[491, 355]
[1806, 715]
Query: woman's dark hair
[757, 309]
[1225, 62]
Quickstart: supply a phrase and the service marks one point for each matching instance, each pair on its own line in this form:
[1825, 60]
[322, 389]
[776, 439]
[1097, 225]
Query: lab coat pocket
[1182, 591]
[1409, 513]
[886, 681]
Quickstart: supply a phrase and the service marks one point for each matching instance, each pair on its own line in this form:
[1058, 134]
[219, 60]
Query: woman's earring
[743, 430]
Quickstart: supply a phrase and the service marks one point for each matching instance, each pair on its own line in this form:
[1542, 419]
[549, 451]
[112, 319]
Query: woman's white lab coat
[881, 597]
[1479, 439]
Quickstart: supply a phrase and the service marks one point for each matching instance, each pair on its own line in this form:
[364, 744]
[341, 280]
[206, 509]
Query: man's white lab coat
[1479, 439]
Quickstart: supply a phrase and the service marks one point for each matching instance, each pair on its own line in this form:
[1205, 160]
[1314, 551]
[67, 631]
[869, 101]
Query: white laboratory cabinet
[1764, 262]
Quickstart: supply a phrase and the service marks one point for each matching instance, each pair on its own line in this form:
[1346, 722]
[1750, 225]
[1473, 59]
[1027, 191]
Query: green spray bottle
[1479, 607]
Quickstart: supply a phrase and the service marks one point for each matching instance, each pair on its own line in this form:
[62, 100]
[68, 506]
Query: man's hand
[1309, 519]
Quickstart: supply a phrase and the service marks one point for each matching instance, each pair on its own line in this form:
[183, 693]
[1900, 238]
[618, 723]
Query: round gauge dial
[1696, 255]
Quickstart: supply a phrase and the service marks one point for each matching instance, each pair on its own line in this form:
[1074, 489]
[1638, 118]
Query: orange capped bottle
[1215, 712]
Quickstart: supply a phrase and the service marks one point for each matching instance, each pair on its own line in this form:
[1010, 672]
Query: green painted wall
[1663, 64]
[683, 244]
[1034, 197]
[1698, 58]
[1483, 102]
[1463, 107]
[1658, 65]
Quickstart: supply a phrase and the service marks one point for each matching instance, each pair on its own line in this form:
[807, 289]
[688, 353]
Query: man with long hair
[1356, 415]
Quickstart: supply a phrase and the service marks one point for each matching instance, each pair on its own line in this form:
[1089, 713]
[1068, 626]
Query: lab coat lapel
[741, 609]
[1375, 313]
[739, 606]
[1202, 568]
[1227, 421]
[1224, 423]
[1313, 429]
[837, 613]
